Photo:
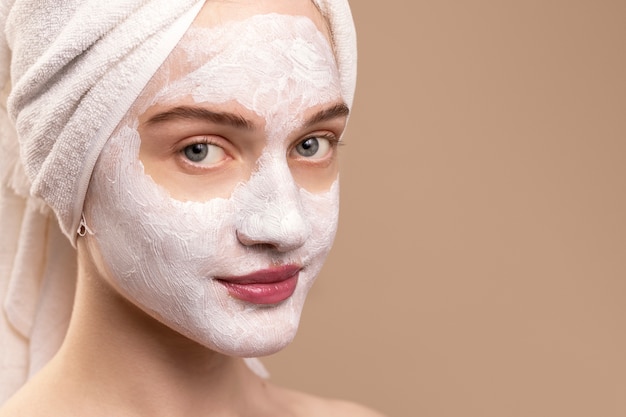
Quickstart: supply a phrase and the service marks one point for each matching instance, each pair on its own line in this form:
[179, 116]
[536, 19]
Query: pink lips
[267, 286]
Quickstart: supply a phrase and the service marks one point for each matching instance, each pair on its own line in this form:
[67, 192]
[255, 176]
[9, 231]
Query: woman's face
[215, 202]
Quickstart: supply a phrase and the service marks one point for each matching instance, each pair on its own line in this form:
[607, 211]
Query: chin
[269, 347]
[250, 331]
[263, 343]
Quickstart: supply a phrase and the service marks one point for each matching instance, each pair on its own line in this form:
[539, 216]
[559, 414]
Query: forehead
[215, 31]
[268, 63]
[217, 12]
[262, 51]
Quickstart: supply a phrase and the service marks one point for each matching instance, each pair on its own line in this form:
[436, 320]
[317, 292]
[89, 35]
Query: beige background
[480, 265]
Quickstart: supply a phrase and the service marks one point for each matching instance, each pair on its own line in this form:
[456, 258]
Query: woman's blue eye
[196, 152]
[203, 153]
[313, 147]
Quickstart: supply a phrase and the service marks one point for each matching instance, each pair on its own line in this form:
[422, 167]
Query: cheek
[156, 251]
[323, 211]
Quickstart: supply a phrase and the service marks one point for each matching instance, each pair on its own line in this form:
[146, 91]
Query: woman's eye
[203, 153]
[313, 147]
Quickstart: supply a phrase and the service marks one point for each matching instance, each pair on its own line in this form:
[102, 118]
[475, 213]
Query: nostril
[253, 243]
[280, 245]
[282, 234]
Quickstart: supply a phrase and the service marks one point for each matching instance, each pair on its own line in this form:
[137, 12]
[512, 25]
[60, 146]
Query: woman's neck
[128, 361]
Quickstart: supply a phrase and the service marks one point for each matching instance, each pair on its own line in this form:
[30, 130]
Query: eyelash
[330, 137]
[203, 140]
[334, 141]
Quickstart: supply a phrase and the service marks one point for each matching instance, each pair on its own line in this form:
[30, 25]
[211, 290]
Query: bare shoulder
[347, 408]
[18, 406]
[24, 404]
[40, 397]
[307, 405]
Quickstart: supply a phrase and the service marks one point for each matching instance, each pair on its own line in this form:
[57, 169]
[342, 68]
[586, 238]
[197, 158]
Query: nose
[270, 211]
[283, 233]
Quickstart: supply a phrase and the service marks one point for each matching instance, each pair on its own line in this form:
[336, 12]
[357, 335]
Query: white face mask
[166, 255]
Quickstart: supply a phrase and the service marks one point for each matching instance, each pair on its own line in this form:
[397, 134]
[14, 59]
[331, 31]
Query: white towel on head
[69, 71]
[76, 68]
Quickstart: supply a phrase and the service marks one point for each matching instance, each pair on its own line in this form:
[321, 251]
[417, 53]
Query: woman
[201, 209]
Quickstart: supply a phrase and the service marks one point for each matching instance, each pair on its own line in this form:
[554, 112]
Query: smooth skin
[118, 361]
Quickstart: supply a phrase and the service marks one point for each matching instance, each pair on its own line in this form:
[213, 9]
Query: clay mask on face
[171, 257]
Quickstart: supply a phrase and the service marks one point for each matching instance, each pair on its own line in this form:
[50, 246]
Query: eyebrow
[235, 120]
[336, 111]
[200, 113]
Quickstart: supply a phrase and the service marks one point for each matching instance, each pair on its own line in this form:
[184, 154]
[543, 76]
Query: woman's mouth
[267, 286]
